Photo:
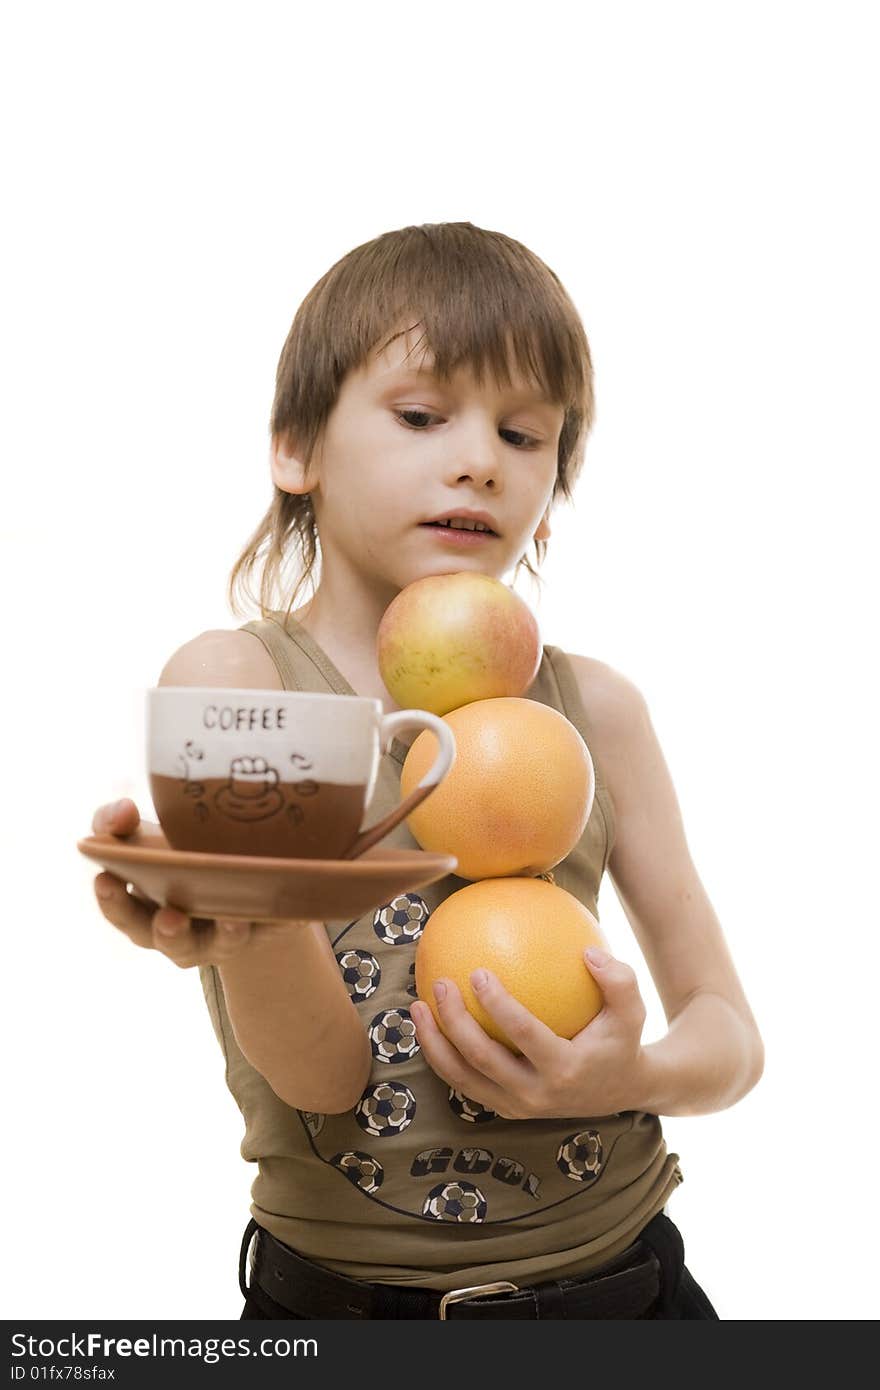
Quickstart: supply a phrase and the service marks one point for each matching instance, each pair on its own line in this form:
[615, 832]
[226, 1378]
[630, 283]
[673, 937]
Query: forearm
[293, 1018]
[709, 1059]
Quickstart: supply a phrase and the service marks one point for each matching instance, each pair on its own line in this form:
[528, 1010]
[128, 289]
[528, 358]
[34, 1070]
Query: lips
[470, 530]
[453, 535]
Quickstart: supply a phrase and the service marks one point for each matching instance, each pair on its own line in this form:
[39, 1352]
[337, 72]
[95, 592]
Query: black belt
[626, 1287]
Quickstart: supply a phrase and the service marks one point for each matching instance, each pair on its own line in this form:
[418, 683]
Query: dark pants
[680, 1294]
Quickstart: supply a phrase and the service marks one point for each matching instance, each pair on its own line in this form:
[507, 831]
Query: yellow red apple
[449, 639]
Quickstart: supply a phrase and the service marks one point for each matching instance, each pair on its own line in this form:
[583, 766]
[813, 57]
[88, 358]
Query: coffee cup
[282, 773]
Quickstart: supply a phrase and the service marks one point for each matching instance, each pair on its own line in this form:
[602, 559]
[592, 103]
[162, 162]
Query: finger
[444, 1058]
[192, 941]
[179, 937]
[618, 983]
[116, 818]
[132, 917]
[480, 1051]
[537, 1043]
[451, 1067]
[229, 938]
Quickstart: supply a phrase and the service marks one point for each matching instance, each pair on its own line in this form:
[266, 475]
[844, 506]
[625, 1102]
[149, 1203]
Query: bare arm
[293, 1018]
[288, 1005]
[712, 1054]
[709, 1059]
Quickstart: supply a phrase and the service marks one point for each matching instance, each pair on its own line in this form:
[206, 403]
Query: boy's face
[401, 447]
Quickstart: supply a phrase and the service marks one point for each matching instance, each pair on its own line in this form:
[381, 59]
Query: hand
[595, 1073]
[187, 941]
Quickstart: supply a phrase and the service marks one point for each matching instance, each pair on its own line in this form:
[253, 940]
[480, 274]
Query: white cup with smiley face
[279, 773]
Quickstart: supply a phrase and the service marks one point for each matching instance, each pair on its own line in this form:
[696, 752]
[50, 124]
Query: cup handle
[389, 726]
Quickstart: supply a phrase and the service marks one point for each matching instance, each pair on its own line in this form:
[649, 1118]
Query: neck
[344, 620]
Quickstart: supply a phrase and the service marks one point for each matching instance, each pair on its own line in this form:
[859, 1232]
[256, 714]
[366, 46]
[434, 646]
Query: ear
[543, 532]
[289, 473]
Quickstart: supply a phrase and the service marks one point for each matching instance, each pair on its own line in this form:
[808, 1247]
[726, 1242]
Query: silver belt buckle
[457, 1295]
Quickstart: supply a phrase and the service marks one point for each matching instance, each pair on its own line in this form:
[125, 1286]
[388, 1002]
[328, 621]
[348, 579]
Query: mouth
[464, 519]
[458, 536]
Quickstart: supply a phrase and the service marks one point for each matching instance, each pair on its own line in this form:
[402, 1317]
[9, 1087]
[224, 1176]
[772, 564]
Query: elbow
[746, 1069]
[345, 1098]
[350, 1091]
[341, 1107]
[330, 1099]
[319, 1102]
[752, 1066]
[757, 1059]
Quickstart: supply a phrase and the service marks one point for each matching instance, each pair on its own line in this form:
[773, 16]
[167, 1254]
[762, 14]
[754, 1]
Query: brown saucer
[262, 889]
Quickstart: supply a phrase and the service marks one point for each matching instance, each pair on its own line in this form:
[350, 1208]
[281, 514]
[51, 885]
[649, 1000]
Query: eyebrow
[401, 374]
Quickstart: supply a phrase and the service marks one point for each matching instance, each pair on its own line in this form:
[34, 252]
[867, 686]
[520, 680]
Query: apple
[449, 639]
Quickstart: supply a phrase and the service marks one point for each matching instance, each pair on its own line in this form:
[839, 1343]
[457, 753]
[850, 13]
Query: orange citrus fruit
[531, 934]
[518, 796]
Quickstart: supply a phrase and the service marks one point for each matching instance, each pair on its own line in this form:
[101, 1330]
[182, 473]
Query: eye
[419, 414]
[521, 441]
[527, 441]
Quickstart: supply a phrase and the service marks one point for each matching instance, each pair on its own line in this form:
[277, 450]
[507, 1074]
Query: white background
[702, 179]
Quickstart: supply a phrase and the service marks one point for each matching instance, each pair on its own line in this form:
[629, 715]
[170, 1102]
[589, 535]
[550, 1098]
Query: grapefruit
[448, 639]
[531, 934]
[518, 796]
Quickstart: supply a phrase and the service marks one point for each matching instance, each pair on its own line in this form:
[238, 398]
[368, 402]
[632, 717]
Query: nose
[476, 456]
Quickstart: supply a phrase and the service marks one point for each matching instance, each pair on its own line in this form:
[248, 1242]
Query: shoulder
[224, 657]
[622, 736]
[613, 703]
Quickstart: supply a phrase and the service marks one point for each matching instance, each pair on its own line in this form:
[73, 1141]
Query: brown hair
[475, 294]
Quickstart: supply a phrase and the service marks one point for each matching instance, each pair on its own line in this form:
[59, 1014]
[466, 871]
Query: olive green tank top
[419, 1184]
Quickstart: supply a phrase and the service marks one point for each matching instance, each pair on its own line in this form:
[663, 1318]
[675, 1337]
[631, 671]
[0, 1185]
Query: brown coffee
[256, 813]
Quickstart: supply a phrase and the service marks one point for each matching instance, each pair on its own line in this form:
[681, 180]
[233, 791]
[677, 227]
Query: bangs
[479, 301]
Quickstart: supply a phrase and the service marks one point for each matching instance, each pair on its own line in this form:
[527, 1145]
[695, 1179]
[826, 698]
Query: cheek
[389, 490]
[544, 494]
[359, 488]
[535, 489]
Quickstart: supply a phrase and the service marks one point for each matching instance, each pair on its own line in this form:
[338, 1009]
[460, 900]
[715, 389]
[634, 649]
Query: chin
[456, 564]
[491, 560]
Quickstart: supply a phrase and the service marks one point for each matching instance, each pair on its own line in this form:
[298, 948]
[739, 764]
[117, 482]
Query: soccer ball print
[470, 1110]
[456, 1201]
[361, 973]
[385, 1109]
[580, 1156]
[393, 1036]
[401, 921]
[361, 1169]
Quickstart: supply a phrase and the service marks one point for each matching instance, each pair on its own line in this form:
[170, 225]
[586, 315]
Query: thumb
[118, 818]
[598, 959]
[615, 978]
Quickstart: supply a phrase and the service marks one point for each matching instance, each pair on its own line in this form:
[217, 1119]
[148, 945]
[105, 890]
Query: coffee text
[226, 717]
